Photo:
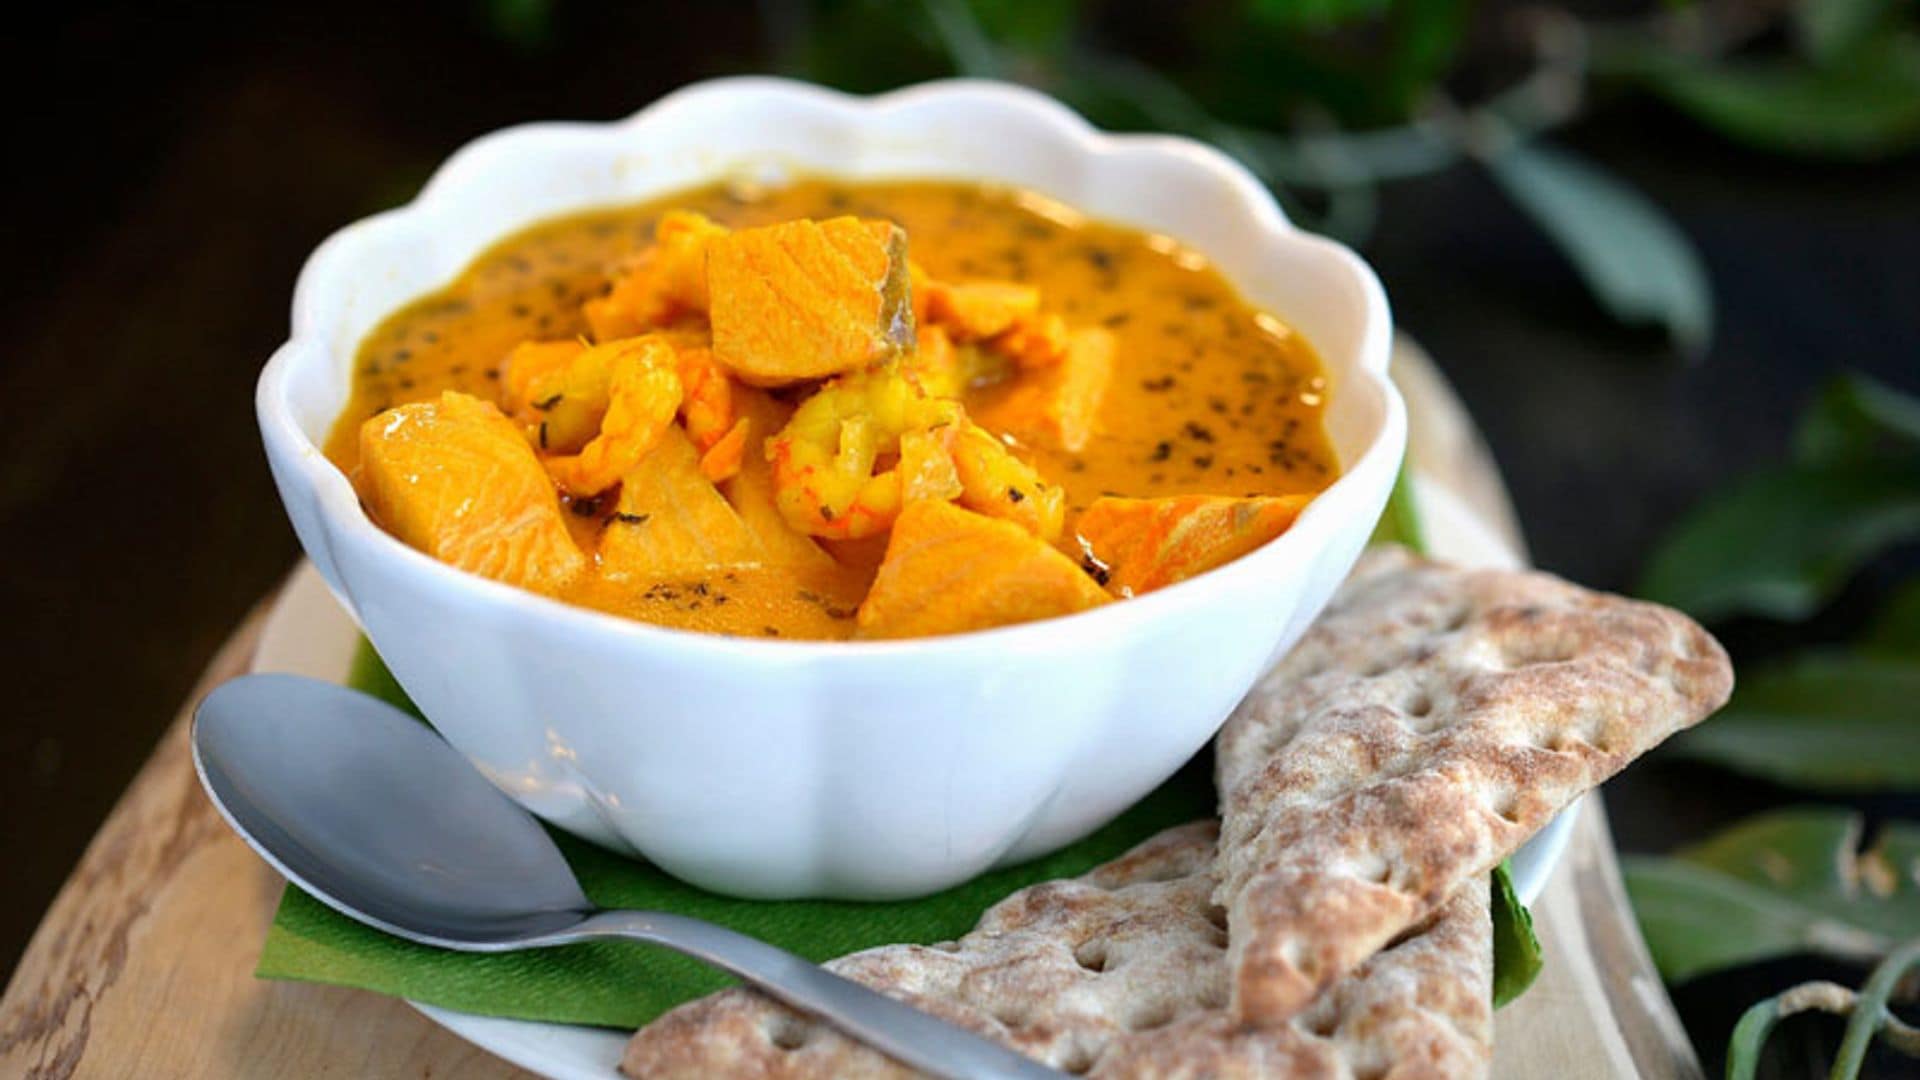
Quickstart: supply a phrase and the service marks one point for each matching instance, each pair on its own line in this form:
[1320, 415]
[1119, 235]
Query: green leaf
[1039, 25]
[1781, 542]
[1865, 108]
[1314, 13]
[525, 24]
[1856, 418]
[1516, 949]
[1830, 29]
[1400, 522]
[1824, 721]
[1785, 882]
[1895, 632]
[1638, 264]
[1426, 39]
[369, 675]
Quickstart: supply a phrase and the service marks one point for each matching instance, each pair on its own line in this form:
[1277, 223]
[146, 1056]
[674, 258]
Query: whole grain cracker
[1119, 973]
[1431, 720]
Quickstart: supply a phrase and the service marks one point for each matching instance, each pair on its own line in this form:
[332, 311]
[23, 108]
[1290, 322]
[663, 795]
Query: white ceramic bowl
[783, 769]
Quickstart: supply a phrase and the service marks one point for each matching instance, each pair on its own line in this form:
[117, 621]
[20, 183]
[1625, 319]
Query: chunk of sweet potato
[454, 478]
[1147, 544]
[949, 570]
[806, 299]
[1058, 404]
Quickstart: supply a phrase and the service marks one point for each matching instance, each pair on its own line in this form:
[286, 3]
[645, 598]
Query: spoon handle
[919, 1039]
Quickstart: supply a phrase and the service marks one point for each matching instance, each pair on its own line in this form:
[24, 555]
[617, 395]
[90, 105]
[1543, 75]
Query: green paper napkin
[625, 985]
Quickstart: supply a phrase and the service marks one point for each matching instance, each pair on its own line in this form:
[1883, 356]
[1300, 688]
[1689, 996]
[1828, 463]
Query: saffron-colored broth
[1208, 394]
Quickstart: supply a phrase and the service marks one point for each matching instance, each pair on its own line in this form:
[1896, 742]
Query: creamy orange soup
[1207, 394]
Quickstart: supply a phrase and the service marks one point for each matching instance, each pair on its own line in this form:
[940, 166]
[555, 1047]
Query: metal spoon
[373, 814]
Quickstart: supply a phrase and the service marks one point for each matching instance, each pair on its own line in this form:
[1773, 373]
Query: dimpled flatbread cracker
[806, 299]
[1431, 720]
[1119, 973]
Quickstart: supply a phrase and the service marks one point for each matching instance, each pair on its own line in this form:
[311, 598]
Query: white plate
[307, 633]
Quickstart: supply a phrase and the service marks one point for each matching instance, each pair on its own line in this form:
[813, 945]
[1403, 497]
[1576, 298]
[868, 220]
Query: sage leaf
[1828, 30]
[1895, 632]
[1779, 543]
[1834, 722]
[1517, 959]
[1865, 108]
[1637, 263]
[1784, 882]
[1856, 418]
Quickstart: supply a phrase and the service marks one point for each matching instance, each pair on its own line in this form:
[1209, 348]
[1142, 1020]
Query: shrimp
[926, 465]
[1003, 316]
[722, 460]
[825, 483]
[605, 411]
[707, 402]
[706, 410]
[661, 282]
[530, 367]
[996, 483]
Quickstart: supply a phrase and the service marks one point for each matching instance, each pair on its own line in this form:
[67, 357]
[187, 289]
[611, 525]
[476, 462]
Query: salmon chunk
[807, 299]
[1060, 403]
[671, 522]
[454, 477]
[1146, 544]
[949, 570]
[977, 310]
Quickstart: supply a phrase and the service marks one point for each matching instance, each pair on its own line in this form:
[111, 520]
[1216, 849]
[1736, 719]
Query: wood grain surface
[143, 965]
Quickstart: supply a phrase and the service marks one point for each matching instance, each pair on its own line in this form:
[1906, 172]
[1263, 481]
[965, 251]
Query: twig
[1871, 1015]
[1866, 1011]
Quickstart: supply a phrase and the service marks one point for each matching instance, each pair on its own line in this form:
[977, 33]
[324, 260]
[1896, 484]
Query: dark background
[173, 169]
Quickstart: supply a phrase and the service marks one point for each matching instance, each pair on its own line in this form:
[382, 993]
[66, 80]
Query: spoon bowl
[384, 824]
[367, 809]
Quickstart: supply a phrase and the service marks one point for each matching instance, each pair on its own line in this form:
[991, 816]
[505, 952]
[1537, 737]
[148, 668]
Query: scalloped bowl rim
[338, 501]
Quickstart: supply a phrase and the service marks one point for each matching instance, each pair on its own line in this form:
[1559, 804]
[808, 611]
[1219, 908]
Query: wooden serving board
[144, 964]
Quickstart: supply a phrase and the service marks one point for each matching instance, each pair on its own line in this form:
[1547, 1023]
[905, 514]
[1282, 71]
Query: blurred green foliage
[1839, 720]
[1326, 100]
